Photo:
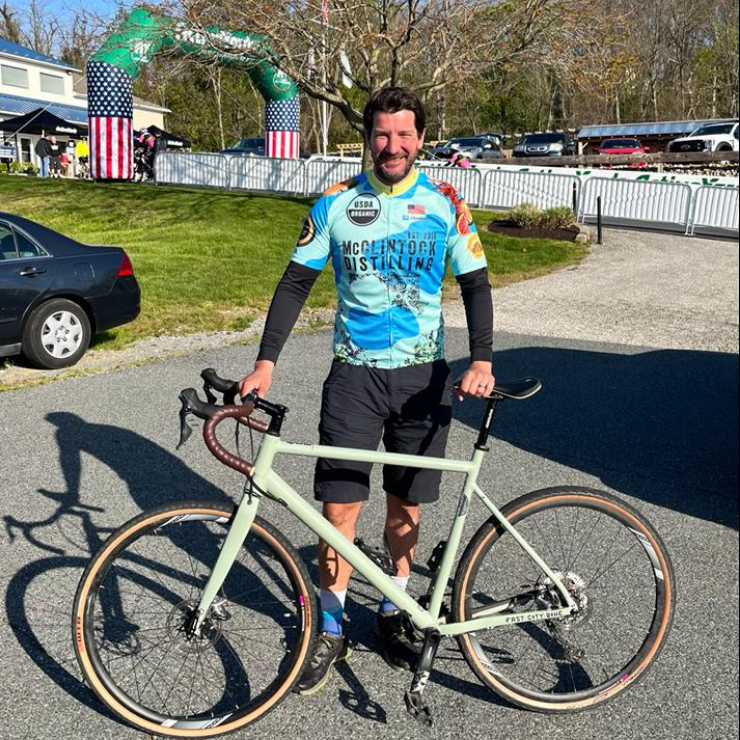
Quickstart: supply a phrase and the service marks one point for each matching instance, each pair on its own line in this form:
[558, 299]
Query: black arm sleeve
[290, 295]
[476, 295]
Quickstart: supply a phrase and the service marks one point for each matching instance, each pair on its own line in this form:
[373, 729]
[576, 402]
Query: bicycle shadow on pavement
[661, 425]
[39, 597]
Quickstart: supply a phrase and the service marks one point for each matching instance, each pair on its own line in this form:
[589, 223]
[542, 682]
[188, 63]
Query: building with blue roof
[30, 80]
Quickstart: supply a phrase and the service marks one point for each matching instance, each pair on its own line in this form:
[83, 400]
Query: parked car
[474, 147]
[497, 137]
[247, 146]
[712, 137]
[544, 145]
[622, 146]
[56, 293]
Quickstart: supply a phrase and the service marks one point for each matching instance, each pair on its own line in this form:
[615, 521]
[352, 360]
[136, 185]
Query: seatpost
[485, 428]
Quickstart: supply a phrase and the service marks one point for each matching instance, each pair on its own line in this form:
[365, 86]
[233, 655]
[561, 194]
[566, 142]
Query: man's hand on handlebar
[260, 379]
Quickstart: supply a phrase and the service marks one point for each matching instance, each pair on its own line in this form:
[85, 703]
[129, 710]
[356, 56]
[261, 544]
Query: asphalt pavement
[654, 422]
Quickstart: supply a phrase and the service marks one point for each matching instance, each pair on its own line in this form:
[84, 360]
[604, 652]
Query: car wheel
[57, 334]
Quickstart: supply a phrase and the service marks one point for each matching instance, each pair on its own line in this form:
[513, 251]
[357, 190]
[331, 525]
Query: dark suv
[544, 145]
[247, 146]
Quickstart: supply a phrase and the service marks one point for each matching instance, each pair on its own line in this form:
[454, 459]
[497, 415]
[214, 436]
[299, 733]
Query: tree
[427, 45]
[9, 26]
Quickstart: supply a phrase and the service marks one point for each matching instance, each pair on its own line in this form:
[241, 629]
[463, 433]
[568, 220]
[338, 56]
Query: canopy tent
[42, 121]
[172, 141]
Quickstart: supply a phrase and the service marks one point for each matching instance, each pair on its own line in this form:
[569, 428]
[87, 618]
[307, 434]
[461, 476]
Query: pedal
[415, 704]
[418, 709]
[381, 558]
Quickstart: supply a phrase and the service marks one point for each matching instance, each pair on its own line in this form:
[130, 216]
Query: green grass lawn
[209, 260]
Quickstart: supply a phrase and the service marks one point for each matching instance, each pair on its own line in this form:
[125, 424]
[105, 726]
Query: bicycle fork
[240, 526]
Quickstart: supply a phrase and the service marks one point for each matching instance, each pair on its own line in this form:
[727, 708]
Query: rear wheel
[615, 568]
[133, 609]
[56, 335]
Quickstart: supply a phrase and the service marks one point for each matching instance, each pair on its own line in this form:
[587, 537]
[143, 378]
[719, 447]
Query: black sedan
[55, 293]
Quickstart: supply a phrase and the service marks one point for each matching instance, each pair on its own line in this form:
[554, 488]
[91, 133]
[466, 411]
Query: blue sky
[102, 7]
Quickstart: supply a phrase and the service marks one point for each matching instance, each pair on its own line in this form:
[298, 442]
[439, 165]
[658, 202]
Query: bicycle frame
[267, 481]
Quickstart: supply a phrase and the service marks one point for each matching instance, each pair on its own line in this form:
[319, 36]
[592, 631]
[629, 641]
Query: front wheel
[615, 568]
[134, 607]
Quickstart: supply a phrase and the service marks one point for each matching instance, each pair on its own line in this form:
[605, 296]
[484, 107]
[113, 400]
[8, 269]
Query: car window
[468, 142]
[717, 128]
[620, 144]
[543, 139]
[26, 247]
[7, 243]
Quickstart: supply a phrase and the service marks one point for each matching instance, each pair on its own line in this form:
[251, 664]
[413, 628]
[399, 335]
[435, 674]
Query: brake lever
[207, 389]
[185, 428]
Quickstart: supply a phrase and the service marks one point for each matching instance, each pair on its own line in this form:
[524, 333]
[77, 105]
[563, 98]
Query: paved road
[656, 425]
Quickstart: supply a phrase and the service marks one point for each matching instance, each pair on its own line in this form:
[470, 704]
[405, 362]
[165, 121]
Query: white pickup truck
[721, 136]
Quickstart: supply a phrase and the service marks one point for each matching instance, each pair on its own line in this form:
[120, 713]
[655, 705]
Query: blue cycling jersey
[389, 247]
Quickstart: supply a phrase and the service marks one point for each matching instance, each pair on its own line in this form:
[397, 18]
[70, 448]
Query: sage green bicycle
[197, 618]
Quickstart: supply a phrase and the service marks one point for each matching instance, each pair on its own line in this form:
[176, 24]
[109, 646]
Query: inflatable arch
[112, 70]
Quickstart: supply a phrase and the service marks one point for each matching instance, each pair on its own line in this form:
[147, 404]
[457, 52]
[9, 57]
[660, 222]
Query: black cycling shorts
[409, 408]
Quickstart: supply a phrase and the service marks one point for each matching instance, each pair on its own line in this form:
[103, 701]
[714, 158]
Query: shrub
[23, 167]
[526, 215]
[559, 217]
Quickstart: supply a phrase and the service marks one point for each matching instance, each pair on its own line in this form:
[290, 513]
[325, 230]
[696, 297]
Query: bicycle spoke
[145, 601]
[610, 577]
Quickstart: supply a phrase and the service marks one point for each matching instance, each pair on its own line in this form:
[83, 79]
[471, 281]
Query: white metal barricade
[467, 182]
[636, 201]
[506, 188]
[263, 173]
[188, 168]
[323, 173]
[715, 208]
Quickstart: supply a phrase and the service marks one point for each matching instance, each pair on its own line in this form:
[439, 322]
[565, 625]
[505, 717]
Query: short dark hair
[393, 100]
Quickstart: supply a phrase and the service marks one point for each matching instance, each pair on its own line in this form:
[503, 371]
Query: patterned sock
[332, 610]
[386, 605]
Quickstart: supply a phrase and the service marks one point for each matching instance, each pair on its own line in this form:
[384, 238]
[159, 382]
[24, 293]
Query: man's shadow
[39, 597]
[659, 425]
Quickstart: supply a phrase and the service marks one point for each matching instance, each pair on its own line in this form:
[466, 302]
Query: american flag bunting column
[282, 128]
[110, 109]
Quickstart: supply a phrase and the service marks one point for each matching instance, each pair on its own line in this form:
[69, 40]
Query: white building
[29, 80]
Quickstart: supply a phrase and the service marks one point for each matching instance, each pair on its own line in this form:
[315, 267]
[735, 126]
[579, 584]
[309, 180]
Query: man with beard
[390, 234]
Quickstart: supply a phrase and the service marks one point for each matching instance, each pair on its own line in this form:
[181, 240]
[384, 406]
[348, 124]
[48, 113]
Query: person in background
[71, 159]
[158, 145]
[43, 152]
[55, 155]
[82, 154]
[459, 160]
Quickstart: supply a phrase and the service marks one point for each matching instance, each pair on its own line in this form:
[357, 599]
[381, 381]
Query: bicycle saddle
[519, 390]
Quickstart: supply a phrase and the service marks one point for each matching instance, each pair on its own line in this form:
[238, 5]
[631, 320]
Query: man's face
[394, 145]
